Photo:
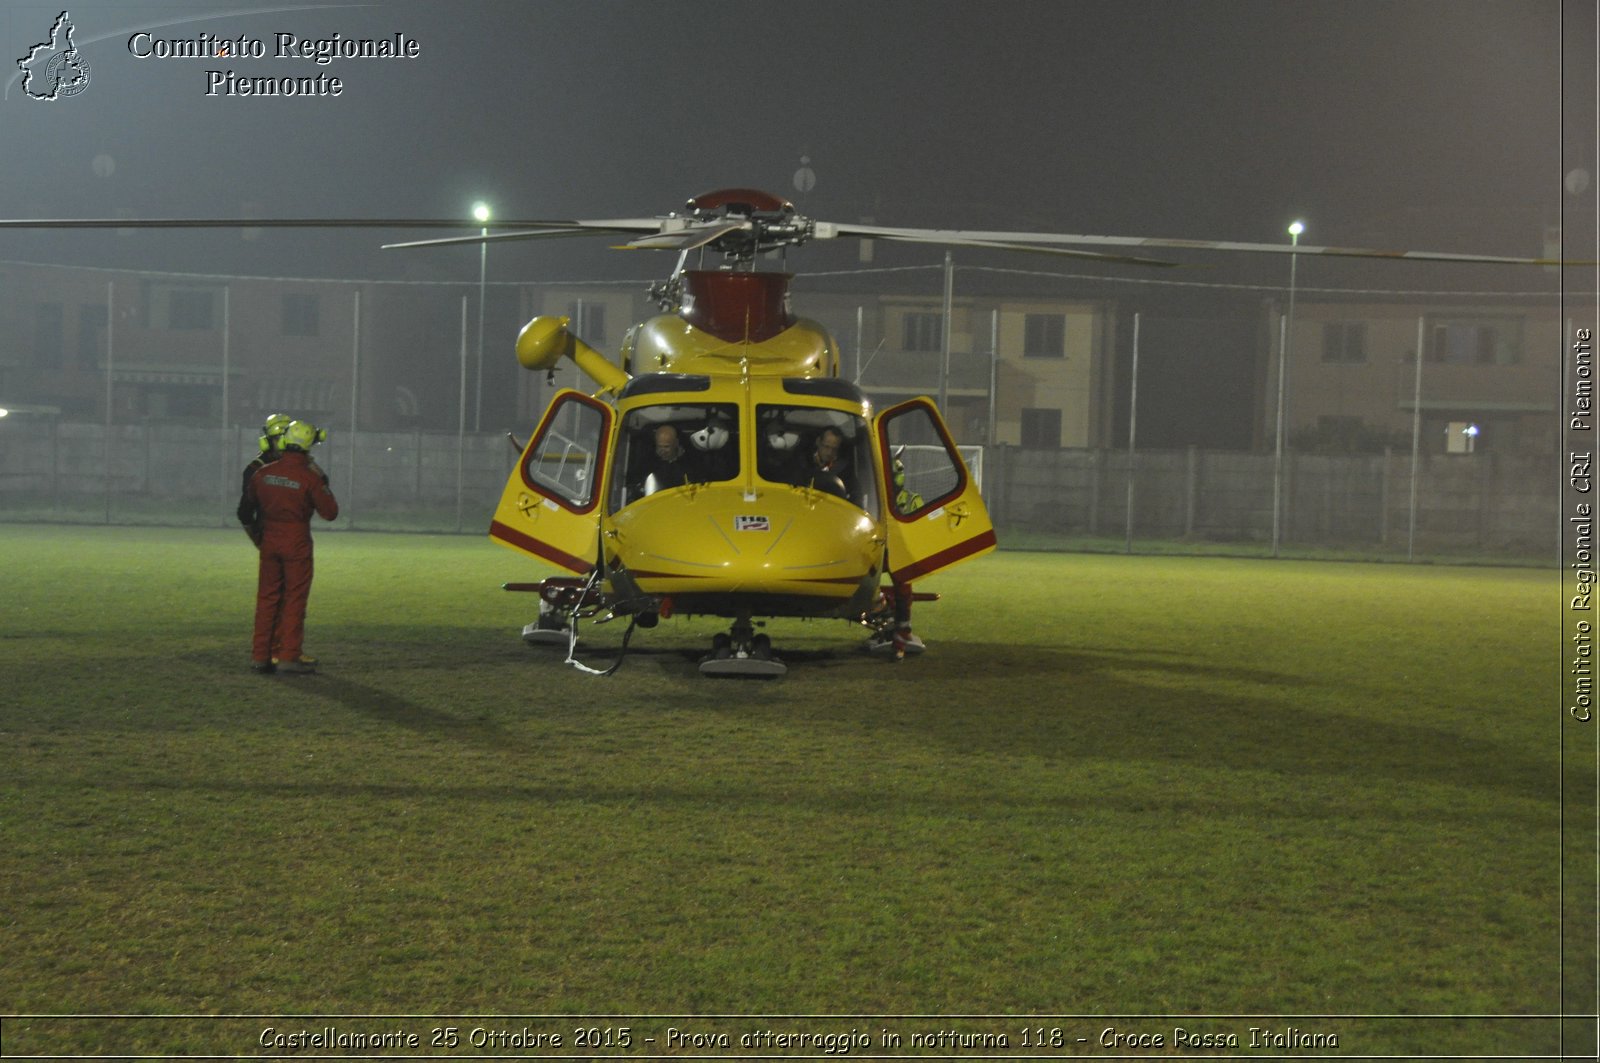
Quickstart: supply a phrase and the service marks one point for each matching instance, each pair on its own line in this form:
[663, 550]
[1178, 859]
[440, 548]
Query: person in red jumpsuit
[281, 497]
[271, 432]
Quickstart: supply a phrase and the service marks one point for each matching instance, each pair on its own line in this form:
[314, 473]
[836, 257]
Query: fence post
[1383, 497]
[1191, 492]
[1097, 464]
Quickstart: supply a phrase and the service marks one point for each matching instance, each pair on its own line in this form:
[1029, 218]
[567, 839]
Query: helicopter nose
[780, 542]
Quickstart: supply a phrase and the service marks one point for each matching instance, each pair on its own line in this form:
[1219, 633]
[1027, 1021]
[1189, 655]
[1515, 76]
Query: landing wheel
[741, 652]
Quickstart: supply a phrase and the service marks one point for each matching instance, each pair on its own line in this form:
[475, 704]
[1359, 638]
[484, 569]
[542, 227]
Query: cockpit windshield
[671, 445]
[809, 446]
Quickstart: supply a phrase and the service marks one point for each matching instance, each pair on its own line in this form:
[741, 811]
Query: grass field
[1113, 786]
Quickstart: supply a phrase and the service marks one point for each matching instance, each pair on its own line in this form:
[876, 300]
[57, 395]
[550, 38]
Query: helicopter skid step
[748, 667]
[535, 635]
[741, 652]
[883, 646]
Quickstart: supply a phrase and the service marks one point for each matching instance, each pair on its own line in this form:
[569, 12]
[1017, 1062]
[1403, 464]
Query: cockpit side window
[672, 445]
[810, 446]
[924, 469]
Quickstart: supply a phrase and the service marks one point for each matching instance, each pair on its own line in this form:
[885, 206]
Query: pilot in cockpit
[668, 464]
[825, 467]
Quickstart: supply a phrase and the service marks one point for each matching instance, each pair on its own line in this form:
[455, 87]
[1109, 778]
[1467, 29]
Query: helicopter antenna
[875, 351]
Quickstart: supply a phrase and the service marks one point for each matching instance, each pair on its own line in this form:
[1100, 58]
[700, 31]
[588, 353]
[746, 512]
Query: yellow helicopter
[723, 467]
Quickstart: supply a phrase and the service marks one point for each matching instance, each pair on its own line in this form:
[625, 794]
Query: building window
[1041, 429]
[1344, 342]
[1475, 341]
[182, 308]
[301, 314]
[1044, 336]
[922, 330]
[49, 329]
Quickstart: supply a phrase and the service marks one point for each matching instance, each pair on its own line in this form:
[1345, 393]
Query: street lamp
[480, 211]
[1286, 332]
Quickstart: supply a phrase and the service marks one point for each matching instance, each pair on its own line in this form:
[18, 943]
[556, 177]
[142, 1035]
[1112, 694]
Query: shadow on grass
[1080, 703]
[1063, 705]
[1076, 703]
[389, 708]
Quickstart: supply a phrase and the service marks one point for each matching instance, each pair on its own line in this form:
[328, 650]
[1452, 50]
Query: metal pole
[1416, 440]
[483, 278]
[461, 416]
[994, 375]
[860, 335]
[1133, 422]
[1286, 338]
[944, 358]
[355, 385]
[227, 333]
[105, 457]
[580, 325]
[1277, 449]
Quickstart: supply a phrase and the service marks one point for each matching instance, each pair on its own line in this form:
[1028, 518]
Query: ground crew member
[268, 444]
[899, 597]
[281, 497]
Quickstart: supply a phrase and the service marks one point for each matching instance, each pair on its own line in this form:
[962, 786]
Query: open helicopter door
[550, 507]
[934, 514]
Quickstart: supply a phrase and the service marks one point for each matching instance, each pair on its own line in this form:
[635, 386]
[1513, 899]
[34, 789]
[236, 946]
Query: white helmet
[711, 437]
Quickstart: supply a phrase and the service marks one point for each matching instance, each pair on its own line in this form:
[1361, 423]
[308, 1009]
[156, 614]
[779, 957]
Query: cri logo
[55, 69]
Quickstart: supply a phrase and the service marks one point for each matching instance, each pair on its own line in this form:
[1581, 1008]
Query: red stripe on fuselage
[511, 537]
[934, 562]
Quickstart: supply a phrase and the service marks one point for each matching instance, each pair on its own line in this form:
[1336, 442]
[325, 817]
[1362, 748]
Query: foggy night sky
[1409, 123]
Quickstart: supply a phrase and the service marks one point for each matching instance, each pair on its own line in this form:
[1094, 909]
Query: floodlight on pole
[480, 212]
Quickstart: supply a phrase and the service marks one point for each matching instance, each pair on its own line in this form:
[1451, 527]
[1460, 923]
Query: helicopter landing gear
[741, 652]
[550, 629]
[890, 622]
[898, 641]
[559, 599]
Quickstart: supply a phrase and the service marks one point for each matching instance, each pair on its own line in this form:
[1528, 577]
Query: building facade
[1024, 368]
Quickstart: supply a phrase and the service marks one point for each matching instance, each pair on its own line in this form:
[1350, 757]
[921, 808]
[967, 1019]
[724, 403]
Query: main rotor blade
[686, 239]
[539, 230]
[232, 223]
[1019, 239]
[490, 238]
[533, 227]
[1037, 249]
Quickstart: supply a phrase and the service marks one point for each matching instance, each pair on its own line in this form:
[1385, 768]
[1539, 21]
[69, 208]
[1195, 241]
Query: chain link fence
[137, 398]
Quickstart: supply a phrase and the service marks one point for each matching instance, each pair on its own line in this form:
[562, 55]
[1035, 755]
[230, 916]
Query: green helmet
[300, 435]
[272, 430]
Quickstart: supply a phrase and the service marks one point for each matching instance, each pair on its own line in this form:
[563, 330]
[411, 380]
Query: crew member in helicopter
[666, 464]
[280, 498]
[825, 467]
